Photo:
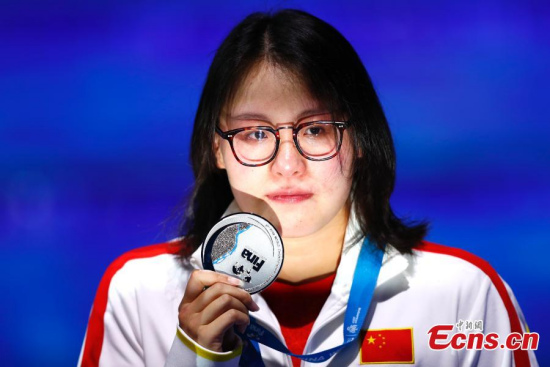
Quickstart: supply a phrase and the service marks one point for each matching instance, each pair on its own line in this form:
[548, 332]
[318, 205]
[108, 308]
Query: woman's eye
[314, 130]
[256, 135]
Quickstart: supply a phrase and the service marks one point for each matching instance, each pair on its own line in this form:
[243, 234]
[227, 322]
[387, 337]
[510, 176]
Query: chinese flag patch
[387, 346]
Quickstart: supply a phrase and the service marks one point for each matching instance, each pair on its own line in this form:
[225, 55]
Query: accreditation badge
[245, 246]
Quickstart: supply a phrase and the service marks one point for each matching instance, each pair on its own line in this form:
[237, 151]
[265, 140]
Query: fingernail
[235, 281]
[254, 306]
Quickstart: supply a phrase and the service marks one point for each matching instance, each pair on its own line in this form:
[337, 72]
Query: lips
[289, 196]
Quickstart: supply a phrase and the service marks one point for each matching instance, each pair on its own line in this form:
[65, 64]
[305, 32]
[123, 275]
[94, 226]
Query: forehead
[267, 87]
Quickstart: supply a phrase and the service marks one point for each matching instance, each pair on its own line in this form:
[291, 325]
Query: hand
[211, 306]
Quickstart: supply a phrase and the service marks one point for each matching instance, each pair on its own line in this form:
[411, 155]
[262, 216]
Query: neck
[317, 254]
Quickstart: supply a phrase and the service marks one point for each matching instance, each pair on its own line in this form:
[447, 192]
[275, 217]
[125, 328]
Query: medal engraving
[245, 246]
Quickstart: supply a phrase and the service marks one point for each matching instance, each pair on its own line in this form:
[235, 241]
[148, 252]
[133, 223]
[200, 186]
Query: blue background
[96, 107]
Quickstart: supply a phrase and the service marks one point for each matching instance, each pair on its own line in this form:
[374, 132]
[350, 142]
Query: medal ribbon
[364, 282]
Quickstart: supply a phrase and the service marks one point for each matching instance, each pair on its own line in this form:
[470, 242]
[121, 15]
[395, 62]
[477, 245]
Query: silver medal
[245, 246]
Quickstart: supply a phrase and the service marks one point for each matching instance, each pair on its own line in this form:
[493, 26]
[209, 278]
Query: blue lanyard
[364, 282]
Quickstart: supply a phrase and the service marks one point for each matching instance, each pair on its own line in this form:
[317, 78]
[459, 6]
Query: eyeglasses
[255, 146]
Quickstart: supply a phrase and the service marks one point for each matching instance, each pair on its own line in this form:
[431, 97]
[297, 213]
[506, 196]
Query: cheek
[345, 156]
[246, 186]
[243, 180]
[336, 175]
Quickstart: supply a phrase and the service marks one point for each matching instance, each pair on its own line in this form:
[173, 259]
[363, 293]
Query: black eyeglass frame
[230, 134]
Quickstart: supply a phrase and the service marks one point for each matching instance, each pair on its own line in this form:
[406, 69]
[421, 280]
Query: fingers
[230, 318]
[206, 278]
[209, 334]
[223, 291]
[219, 306]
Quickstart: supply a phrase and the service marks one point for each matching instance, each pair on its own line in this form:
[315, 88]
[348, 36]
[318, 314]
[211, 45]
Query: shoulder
[465, 274]
[139, 285]
[147, 253]
[439, 271]
[452, 260]
[147, 267]
[454, 267]
[142, 271]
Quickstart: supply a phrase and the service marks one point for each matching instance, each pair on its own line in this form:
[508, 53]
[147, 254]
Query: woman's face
[297, 195]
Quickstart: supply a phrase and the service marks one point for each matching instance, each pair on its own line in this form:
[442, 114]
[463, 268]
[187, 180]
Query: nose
[288, 161]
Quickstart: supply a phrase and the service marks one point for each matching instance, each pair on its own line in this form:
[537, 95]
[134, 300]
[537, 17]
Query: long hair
[325, 62]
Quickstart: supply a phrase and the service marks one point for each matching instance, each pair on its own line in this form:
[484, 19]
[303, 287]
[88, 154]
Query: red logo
[442, 337]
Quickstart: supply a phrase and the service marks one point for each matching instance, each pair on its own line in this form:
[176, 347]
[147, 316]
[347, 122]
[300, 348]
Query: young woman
[289, 127]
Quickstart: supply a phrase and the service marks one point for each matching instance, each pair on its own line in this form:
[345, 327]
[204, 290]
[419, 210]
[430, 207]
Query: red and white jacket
[134, 319]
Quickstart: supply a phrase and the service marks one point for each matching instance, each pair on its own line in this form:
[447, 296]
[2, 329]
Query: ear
[220, 163]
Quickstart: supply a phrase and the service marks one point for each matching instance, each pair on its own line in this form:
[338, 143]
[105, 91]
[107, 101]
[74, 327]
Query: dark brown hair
[329, 67]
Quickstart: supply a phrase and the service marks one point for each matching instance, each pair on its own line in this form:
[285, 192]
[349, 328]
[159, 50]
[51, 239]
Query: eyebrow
[264, 118]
